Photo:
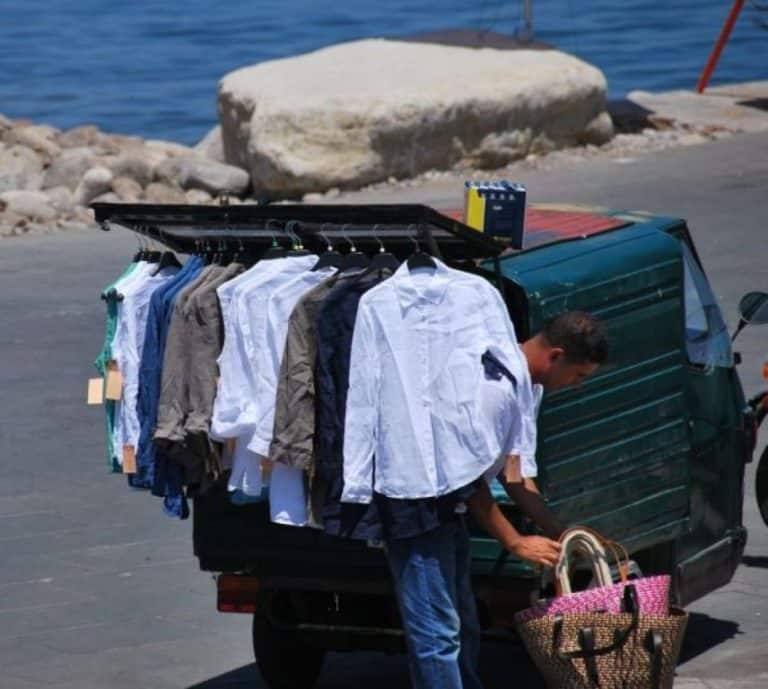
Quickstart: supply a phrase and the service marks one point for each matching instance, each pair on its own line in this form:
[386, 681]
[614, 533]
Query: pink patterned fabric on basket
[652, 593]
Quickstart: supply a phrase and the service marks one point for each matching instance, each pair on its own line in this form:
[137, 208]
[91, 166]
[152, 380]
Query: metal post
[719, 45]
[527, 33]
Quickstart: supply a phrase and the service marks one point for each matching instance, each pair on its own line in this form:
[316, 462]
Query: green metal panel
[613, 453]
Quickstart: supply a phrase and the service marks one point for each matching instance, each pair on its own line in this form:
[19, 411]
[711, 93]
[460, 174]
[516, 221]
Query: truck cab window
[707, 340]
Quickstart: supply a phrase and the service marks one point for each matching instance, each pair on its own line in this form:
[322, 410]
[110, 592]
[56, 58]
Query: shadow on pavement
[755, 561]
[242, 677]
[378, 671]
[498, 662]
[705, 632]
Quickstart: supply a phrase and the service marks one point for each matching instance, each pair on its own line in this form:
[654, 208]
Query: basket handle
[617, 550]
[620, 638]
[590, 544]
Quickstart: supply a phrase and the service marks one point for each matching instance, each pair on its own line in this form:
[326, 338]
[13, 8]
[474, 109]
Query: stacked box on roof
[496, 209]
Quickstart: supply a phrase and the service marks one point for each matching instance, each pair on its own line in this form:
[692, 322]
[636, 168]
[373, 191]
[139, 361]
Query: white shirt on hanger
[244, 320]
[123, 285]
[269, 355]
[287, 494]
[415, 380]
[129, 344]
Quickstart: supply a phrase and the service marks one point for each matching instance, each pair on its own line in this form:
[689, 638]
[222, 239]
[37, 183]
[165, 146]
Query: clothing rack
[253, 229]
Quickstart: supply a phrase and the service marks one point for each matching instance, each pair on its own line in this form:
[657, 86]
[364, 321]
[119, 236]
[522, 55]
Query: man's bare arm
[536, 549]
[526, 496]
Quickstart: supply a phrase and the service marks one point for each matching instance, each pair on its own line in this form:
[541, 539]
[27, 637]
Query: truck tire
[285, 660]
[761, 486]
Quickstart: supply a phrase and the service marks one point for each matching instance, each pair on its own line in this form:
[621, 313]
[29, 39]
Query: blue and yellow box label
[496, 209]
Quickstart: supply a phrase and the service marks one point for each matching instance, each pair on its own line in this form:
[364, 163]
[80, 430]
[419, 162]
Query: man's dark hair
[581, 335]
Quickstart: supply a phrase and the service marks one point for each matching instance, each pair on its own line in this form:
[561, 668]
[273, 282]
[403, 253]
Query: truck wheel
[761, 486]
[285, 660]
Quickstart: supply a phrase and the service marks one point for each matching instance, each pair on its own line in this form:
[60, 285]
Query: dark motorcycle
[753, 309]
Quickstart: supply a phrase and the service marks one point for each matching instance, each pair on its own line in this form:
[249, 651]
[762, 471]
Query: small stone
[157, 192]
[211, 146]
[69, 167]
[61, 198]
[83, 215]
[94, 182]
[20, 169]
[312, 197]
[10, 219]
[39, 138]
[85, 135]
[168, 171]
[115, 144]
[215, 178]
[127, 189]
[108, 197]
[168, 148]
[332, 193]
[30, 204]
[198, 197]
[132, 165]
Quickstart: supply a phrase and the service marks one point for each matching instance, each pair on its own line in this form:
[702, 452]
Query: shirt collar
[425, 285]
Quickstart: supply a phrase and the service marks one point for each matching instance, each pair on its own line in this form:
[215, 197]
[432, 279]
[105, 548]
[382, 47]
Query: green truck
[651, 451]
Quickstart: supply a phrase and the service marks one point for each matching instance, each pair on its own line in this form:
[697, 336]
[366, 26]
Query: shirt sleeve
[362, 410]
[504, 339]
[267, 364]
[294, 425]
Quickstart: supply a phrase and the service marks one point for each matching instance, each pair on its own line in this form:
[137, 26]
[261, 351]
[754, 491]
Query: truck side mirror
[753, 308]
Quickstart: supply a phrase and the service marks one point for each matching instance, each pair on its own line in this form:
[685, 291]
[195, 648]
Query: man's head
[569, 349]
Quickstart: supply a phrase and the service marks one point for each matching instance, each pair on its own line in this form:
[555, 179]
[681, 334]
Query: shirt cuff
[260, 445]
[360, 495]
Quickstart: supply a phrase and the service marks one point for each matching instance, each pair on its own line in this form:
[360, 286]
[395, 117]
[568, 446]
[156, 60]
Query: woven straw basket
[604, 649]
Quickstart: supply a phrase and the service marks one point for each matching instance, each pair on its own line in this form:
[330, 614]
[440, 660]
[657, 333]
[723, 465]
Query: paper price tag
[114, 385]
[95, 390]
[129, 459]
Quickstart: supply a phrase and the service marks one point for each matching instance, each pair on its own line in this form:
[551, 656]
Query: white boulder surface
[365, 111]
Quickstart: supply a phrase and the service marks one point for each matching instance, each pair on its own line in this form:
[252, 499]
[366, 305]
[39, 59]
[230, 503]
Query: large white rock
[361, 112]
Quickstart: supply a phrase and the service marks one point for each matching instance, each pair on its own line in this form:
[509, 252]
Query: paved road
[98, 589]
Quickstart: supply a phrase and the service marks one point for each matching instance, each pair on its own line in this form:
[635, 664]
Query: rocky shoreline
[48, 177]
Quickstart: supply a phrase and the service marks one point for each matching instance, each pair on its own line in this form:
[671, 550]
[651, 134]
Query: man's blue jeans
[432, 580]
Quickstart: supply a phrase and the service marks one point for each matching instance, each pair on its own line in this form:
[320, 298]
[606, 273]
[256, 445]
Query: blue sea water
[150, 67]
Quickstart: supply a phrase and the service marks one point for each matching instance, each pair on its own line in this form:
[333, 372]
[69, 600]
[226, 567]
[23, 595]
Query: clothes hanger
[297, 248]
[274, 251]
[419, 258]
[383, 259]
[355, 259]
[221, 257]
[239, 251]
[167, 259]
[331, 258]
[140, 250]
[152, 256]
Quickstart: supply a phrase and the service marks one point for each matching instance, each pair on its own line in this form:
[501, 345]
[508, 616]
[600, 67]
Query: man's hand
[536, 549]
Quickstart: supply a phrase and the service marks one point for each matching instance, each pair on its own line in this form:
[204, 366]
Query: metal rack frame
[399, 227]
